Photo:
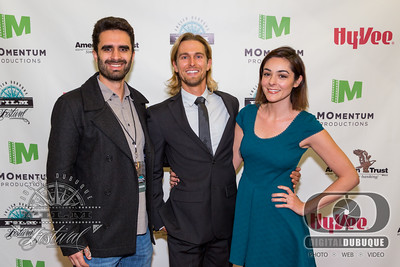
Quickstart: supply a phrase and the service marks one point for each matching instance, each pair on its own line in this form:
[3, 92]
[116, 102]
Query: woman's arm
[237, 157]
[323, 144]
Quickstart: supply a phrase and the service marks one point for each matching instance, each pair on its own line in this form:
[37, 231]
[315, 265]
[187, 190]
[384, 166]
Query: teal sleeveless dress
[264, 235]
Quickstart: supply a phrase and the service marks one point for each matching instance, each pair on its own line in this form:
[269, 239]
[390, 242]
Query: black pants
[214, 253]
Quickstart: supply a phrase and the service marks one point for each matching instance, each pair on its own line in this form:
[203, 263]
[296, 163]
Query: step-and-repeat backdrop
[352, 54]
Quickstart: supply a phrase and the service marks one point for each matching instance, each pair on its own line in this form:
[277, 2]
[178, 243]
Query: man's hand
[78, 260]
[173, 179]
[295, 175]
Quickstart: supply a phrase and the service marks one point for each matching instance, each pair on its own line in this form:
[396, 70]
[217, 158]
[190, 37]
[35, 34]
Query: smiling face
[278, 80]
[115, 55]
[192, 65]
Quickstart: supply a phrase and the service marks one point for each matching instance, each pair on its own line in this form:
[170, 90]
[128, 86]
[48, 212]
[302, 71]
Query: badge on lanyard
[141, 172]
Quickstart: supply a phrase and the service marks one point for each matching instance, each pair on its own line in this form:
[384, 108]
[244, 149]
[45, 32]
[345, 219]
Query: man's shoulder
[226, 96]
[229, 99]
[137, 95]
[164, 104]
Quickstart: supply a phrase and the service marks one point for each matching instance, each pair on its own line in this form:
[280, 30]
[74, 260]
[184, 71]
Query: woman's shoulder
[249, 108]
[307, 118]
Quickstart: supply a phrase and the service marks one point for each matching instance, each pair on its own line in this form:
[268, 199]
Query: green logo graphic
[28, 263]
[269, 25]
[17, 151]
[9, 25]
[342, 88]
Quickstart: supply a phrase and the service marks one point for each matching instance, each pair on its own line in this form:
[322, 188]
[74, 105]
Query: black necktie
[204, 126]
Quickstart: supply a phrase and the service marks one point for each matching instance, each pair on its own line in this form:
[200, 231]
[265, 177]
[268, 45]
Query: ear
[94, 55]
[298, 81]
[175, 66]
[209, 63]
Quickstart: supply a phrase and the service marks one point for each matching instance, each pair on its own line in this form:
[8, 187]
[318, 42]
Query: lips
[273, 91]
[115, 64]
[192, 71]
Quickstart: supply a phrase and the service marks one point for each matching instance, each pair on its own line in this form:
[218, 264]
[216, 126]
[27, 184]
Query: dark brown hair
[298, 97]
[111, 23]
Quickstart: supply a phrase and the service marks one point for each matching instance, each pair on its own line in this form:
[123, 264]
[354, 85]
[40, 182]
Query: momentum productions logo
[268, 26]
[28, 263]
[10, 28]
[342, 92]
[18, 151]
[9, 25]
[340, 89]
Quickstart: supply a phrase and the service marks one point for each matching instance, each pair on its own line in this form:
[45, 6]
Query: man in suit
[198, 215]
[99, 137]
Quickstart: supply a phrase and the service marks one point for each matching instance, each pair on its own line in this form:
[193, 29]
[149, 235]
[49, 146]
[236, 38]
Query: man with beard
[99, 137]
[198, 215]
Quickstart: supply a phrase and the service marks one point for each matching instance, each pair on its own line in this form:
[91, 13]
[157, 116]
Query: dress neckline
[279, 134]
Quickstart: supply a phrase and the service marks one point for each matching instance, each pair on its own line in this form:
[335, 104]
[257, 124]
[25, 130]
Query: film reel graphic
[11, 91]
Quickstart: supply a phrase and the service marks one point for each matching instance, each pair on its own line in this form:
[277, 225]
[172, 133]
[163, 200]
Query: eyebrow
[285, 71]
[187, 53]
[111, 46]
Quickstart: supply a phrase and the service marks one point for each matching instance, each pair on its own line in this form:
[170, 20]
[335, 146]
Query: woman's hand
[173, 179]
[289, 199]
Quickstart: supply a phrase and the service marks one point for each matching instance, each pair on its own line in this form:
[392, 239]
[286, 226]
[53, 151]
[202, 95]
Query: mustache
[111, 61]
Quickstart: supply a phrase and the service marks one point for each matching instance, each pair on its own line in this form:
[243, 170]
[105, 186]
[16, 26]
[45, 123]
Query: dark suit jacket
[201, 207]
[87, 142]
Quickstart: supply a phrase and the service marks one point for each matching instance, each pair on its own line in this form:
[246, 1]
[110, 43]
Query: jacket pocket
[230, 190]
[187, 196]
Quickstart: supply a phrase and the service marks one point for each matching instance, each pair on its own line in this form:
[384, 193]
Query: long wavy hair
[174, 84]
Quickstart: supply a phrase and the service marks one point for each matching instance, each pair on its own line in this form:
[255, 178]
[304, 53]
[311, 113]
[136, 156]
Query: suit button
[213, 161]
[107, 193]
[109, 158]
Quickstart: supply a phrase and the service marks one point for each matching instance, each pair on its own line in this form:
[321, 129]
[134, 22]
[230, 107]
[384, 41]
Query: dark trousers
[211, 254]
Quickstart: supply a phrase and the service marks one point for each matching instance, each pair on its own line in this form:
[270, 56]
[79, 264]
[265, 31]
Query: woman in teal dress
[270, 138]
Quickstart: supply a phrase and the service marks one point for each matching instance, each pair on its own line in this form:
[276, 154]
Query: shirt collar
[108, 94]
[189, 98]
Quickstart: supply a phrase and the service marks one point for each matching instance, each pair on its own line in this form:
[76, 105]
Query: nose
[115, 54]
[272, 79]
[191, 61]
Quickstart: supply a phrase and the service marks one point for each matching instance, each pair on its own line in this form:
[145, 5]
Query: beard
[192, 82]
[113, 75]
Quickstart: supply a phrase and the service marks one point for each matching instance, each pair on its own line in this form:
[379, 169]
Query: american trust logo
[366, 166]
[87, 47]
[363, 36]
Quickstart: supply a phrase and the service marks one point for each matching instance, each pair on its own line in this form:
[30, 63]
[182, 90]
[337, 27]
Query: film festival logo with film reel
[14, 104]
[62, 204]
[194, 25]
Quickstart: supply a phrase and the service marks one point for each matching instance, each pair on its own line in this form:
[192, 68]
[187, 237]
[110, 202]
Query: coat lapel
[227, 131]
[104, 119]
[178, 112]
